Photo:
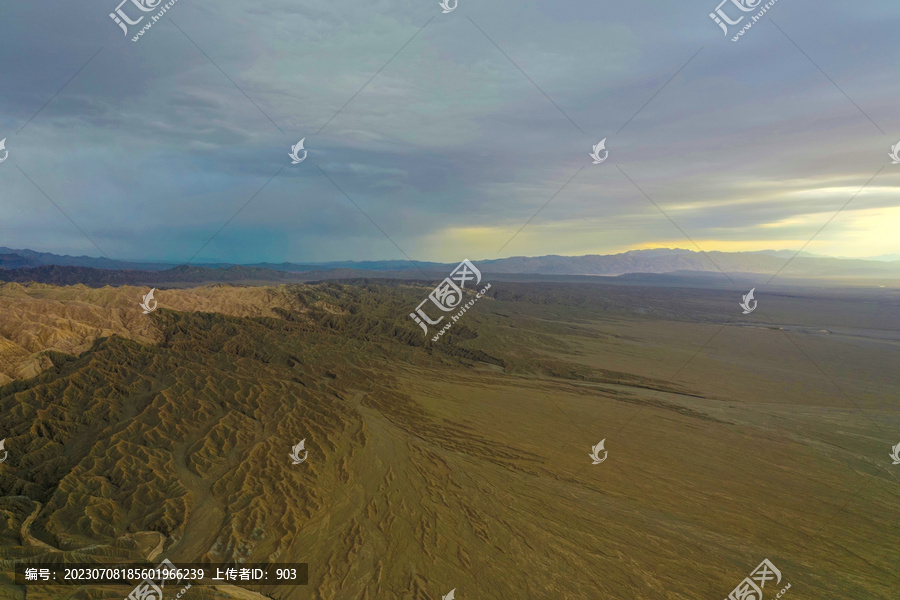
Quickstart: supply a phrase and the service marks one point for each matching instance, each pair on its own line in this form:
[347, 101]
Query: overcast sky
[451, 148]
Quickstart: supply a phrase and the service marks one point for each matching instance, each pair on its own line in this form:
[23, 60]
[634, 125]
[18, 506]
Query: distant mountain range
[16, 259]
[28, 265]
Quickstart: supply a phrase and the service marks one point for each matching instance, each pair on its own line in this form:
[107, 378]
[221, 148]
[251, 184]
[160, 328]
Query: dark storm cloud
[151, 148]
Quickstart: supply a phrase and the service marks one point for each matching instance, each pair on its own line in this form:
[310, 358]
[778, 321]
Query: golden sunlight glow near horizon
[854, 232]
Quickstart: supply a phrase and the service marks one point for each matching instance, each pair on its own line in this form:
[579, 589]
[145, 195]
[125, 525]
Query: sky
[439, 136]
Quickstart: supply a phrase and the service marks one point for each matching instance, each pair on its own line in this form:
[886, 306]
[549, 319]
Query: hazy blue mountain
[10, 256]
[24, 265]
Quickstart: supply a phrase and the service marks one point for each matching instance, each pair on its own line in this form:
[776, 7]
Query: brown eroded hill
[36, 319]
[460, 464]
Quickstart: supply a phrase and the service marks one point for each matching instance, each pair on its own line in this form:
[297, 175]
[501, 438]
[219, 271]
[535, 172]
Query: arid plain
[460, 464]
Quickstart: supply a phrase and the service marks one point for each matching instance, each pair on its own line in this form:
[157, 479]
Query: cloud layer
[448, 131]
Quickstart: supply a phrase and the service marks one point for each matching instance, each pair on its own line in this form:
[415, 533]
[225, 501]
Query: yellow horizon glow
[851, 234]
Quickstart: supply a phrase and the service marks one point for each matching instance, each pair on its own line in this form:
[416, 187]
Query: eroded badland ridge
[459, 464]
